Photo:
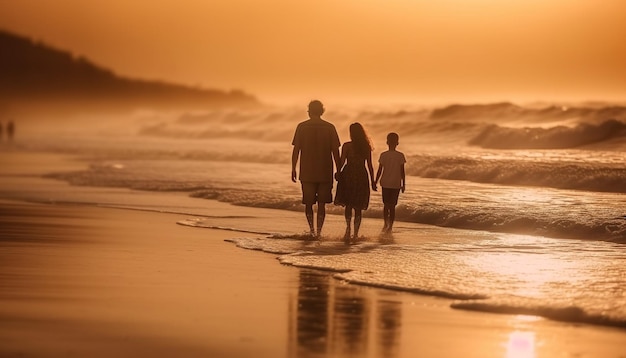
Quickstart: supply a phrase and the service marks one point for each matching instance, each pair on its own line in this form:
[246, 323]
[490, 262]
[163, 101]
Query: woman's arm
[344, 155]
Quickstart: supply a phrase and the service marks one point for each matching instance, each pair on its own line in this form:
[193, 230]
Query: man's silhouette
[316, 143]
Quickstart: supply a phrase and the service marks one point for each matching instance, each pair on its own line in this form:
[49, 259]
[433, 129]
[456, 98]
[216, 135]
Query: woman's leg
[357, 223]
[348, 216]
[386, 217]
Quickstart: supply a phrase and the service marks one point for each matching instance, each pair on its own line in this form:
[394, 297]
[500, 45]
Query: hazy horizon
[358, 52]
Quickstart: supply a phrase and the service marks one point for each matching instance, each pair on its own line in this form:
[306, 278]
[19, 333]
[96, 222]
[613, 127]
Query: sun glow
[521, 344]
[421, 50]
[527, 266]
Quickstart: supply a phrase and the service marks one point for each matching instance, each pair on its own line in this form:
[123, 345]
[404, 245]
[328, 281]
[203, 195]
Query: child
[392, 179]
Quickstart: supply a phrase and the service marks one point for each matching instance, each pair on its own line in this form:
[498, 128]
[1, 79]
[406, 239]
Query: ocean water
[508, 208]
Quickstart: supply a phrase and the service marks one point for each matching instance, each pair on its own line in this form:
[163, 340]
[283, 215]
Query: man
[317, 144]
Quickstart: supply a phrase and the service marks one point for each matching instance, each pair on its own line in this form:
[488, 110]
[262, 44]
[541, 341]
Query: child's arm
[379, 173]
[403, 177]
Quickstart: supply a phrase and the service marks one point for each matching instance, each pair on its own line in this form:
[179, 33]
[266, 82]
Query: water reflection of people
[352, 316]
[389, 320]
[311, 317]
[332, 319]
[10, 130]
[353, 187]
[316, 144]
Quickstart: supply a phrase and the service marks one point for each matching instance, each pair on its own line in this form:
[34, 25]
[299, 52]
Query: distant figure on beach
[316, 143]
[10, 130]
[392, 179]
[353, 182]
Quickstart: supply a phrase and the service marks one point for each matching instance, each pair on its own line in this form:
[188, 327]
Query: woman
[353, 187]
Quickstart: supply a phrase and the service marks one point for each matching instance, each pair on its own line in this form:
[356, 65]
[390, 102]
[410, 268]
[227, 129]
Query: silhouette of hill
[33, 74]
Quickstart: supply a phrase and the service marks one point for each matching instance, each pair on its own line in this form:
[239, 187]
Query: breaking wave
[560, 174]
[571, 314]
[497, 126]
[509, 112]
[497, 137]
[459, 272]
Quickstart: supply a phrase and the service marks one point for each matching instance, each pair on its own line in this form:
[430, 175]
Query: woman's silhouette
[353, 187]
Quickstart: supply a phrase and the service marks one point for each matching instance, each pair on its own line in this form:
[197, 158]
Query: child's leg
[357, 222]
[392, 217]
[386, 217]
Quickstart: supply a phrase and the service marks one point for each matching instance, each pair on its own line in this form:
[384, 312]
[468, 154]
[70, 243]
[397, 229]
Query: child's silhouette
[392, 179]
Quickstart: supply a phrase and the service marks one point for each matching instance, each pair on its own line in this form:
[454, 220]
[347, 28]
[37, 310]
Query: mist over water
[574, 190]
[541, 188]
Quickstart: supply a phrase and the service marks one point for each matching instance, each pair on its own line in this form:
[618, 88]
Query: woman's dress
[353, 187]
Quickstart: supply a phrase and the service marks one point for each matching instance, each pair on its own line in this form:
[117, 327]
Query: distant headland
[35, 77]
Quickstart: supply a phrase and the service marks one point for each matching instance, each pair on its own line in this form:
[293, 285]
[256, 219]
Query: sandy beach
[86, 280]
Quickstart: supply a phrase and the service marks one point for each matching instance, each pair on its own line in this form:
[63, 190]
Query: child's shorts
[390, 196]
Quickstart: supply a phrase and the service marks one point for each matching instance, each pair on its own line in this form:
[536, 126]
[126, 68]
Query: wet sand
[81, 280]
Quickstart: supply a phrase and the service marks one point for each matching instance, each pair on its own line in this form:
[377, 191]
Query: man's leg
[324, 195]
[309, 197]
[308, 211]
[321, 215]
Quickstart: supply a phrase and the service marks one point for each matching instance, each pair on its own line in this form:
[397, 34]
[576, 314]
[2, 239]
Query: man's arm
[294, 160]
[337, 158]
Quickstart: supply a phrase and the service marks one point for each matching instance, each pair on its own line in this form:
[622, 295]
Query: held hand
[374, 188]
[293, 175]
[403, 187]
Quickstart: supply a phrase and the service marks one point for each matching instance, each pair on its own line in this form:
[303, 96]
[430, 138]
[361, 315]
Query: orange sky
[360, 50]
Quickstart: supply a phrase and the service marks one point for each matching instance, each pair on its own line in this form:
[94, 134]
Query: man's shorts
[313, 192]
[390, 196]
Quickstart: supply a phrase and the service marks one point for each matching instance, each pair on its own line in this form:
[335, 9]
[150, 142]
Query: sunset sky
[357, 50]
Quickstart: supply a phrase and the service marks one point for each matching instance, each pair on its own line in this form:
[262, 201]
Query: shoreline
[84, 280]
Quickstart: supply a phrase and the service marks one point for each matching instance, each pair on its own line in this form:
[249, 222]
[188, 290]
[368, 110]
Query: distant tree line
[32, 72]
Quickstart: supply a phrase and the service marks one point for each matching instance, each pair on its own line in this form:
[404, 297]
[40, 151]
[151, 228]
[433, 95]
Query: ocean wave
[456, 295]
[570, 313]
[506, 111]
[478, 111]
[518, 220]
[561, 216]
[496, 125]
[448, 271]
[365, 264]
[560, 174]
[559, 137]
